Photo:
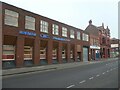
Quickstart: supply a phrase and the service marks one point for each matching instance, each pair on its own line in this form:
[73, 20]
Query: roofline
[42, 16]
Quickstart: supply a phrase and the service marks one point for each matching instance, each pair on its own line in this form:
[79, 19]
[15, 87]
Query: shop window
[71, 54]
[64, 32]
[55, 29]
[8, 52]
[11, 18]
[63, 53]
[28, 52]
[54, 54]
[42, 53]
[44, 26]
[29, 23]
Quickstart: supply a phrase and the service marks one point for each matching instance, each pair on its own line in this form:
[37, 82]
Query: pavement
[98, 74]
[6, 72]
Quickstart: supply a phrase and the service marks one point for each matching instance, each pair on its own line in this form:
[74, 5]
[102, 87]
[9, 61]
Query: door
[97, 54]
[85, 54]
[79, 56]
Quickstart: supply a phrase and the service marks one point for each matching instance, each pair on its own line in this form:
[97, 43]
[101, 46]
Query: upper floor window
[78, 35]
[29, 23]
[72, 34]
[91, 41]
[64, 32]
[103, 40]
[95, 42]
[11, 18]
[85, 37]
[55, 29]
[44, 26]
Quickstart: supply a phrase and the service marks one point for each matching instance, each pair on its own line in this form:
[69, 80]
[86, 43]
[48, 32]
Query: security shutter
[85, 54]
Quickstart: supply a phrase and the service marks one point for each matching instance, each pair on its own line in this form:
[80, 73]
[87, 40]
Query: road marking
[82, 81]
[70, 86]
[106, 64]
[107, 70]
[103, 73]
[91, 78]
[97, 75]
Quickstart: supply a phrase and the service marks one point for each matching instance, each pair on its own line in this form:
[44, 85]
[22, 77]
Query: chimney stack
[103, 25]
[90, 22]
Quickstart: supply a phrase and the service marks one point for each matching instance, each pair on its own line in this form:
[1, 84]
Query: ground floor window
[71, 54]
[63, 53]
[8, 52]
[28, 50]
[79, 56]
[54, 54]
[42, 53]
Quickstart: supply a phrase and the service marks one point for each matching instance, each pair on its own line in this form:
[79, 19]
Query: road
[98, 75]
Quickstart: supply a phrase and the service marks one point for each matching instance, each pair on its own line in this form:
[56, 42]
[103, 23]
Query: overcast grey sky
[76, 13]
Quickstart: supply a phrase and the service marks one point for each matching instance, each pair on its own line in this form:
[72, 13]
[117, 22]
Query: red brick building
[104, 41]
[99, 41]
[30, 39]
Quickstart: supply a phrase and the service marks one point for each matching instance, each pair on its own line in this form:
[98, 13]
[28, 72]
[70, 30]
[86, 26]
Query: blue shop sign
[57, 38]
[27, 33]
[54, 38]
[44, 36]
[60, 39]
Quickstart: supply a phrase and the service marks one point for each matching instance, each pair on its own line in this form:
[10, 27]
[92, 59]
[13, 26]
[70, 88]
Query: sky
[76, 13]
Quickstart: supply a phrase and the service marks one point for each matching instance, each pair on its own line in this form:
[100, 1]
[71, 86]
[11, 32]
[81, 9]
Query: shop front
[55, 53]
[28, 51]
[64, 53]
[9, 52]
[95, 52]
[43, 52]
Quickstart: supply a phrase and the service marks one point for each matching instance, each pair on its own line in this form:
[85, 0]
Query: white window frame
[78, 35]
[55, 29]
[72, 34]
[29, 23]
[85, 37]
[64, 32]
[11, 18]
[44, 26]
